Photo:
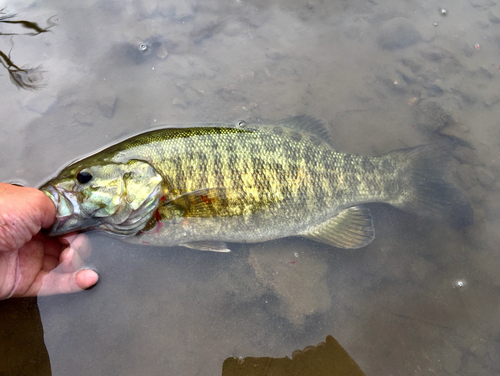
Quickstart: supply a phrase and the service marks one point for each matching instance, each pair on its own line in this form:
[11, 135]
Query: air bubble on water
[460, 283]
[296, 254]
[240, 359]
[241, 124]
[184, 234]
[143, 47]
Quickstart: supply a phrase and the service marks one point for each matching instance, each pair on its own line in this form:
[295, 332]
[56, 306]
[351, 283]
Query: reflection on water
[25, 77]
[327, 358]
[384, 76]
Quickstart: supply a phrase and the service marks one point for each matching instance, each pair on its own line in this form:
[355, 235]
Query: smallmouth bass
[201, 187]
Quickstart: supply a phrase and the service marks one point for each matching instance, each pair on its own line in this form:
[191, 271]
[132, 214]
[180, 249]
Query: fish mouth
[68, 217]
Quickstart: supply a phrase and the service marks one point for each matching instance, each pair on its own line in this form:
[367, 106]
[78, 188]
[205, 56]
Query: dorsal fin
[308, 124]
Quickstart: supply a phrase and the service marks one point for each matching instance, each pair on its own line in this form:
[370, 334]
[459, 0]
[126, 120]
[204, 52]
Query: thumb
[64, 283]
[46, 208]
[27, 204]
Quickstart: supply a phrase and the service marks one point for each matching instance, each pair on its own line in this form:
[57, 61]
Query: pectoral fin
[212, 202]
[351, 228]
[207, 246]
[203, 202]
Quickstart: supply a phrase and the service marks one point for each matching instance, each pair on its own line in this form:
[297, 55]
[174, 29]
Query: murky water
[422, 299]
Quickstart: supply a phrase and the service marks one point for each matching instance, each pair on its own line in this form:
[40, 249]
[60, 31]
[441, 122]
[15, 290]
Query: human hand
[31, 263]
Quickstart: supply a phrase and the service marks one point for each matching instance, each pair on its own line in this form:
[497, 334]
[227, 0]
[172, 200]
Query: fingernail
[98, 279]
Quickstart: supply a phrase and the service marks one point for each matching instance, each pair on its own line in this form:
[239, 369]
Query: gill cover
[114, 197]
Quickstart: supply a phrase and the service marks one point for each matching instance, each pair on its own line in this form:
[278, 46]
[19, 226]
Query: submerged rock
[431, 116]
[458, 133]
[398, 33]
[485, 177]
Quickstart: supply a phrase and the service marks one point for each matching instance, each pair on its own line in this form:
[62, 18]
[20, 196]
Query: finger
[68, 238]
[63, 283]
[72, 257]
[86, 278]
[80, 242]
[52, 249]
[54, 246]
[70, 261]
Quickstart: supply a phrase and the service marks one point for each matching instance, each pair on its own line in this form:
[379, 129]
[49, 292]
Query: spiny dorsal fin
[351, 228]
[308, 124]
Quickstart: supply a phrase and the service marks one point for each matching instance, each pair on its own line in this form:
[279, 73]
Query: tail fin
[425, 190]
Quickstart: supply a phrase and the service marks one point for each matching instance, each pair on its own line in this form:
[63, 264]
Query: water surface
[422, 299]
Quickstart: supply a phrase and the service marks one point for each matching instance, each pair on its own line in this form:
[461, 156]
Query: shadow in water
[327, 358]
[28, 78]
[22, 350]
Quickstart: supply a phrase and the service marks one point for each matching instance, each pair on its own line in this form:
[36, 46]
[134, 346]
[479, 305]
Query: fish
[203, 187]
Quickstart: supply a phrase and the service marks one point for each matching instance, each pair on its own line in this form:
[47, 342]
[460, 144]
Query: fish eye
[84, 177]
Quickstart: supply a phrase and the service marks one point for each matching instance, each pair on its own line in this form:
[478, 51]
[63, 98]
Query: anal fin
[351, 228]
